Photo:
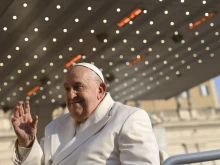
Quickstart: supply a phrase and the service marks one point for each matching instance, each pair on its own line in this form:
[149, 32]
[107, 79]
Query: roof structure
[152, 49]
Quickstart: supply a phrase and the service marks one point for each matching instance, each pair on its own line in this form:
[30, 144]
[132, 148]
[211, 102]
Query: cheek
[66, 98]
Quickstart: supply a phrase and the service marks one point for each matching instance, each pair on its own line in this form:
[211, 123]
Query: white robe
[115, 134]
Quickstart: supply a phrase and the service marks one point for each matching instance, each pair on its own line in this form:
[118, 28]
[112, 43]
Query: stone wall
[7, 138]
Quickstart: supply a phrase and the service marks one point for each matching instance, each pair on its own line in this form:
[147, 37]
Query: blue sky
[217, 86]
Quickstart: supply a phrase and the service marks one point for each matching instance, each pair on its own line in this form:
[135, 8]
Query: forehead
[77, 74]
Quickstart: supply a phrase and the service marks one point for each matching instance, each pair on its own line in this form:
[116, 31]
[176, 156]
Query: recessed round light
[46, 18]
[58, 6]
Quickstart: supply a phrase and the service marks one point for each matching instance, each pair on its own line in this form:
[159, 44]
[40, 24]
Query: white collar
[101, 111]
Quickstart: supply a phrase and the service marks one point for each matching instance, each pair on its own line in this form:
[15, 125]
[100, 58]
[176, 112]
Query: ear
[102, 90]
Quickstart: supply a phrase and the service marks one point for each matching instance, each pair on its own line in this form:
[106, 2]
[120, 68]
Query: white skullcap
[92, 67]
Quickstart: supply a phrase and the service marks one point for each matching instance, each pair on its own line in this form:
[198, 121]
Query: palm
[24, 126]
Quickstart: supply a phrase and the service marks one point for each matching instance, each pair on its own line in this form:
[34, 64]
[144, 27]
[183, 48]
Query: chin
[77, 115]
[77, 118]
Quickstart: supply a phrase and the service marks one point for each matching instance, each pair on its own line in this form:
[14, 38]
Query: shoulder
[122, 108]
[125, 111]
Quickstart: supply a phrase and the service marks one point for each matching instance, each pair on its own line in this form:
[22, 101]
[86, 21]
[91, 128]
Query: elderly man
[96, 131]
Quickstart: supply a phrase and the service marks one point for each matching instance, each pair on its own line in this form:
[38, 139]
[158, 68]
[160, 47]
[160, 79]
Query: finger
[14, 122]
[16, 112]
[13, 119]
[35, 121]
[21, 110]
[26, 107]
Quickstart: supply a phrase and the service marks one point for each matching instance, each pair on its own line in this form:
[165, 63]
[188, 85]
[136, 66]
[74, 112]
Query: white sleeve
[137, 142]
[29, 156]
[22, 152]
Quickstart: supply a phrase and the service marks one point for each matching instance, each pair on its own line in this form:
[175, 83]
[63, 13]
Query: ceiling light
[165, 12]
[130, 17]
[75, 59]
[133, 62]
[35, 89]
[46, 18]
[200, 21]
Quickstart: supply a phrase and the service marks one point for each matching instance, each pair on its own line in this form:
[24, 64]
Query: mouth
[75, 102]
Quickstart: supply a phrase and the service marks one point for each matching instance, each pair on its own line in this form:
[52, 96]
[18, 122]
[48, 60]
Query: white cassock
[114, 134]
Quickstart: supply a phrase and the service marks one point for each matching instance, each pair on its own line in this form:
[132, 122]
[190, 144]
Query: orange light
[133, 62]
[71, 62]
[127, 19]
[203, 19]
[211, 15]
[137, 12]
[120, 24]
[197, 23]
[32, 91]
[132, 16]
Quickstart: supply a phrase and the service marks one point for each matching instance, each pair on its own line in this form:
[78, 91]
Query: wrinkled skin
[84, 91]
[24, 125]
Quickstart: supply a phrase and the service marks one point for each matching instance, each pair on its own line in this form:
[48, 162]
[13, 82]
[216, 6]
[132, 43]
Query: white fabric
[34, 157]
[23, 151]
[114, 134]
[92, 67]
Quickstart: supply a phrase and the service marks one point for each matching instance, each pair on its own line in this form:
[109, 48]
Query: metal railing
[193, 158]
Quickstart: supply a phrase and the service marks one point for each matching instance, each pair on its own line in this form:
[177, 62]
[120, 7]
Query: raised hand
[24, 125]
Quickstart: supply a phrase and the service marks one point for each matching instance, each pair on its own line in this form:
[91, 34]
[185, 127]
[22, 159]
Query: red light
[32, 91]
[127, 19]
[133, 62]
[71, 62]
[197, 23]
[137, 12]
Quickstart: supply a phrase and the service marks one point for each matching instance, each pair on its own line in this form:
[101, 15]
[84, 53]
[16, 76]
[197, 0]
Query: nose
[71, 94]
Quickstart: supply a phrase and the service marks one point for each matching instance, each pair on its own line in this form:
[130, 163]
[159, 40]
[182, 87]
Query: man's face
[83, 93]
